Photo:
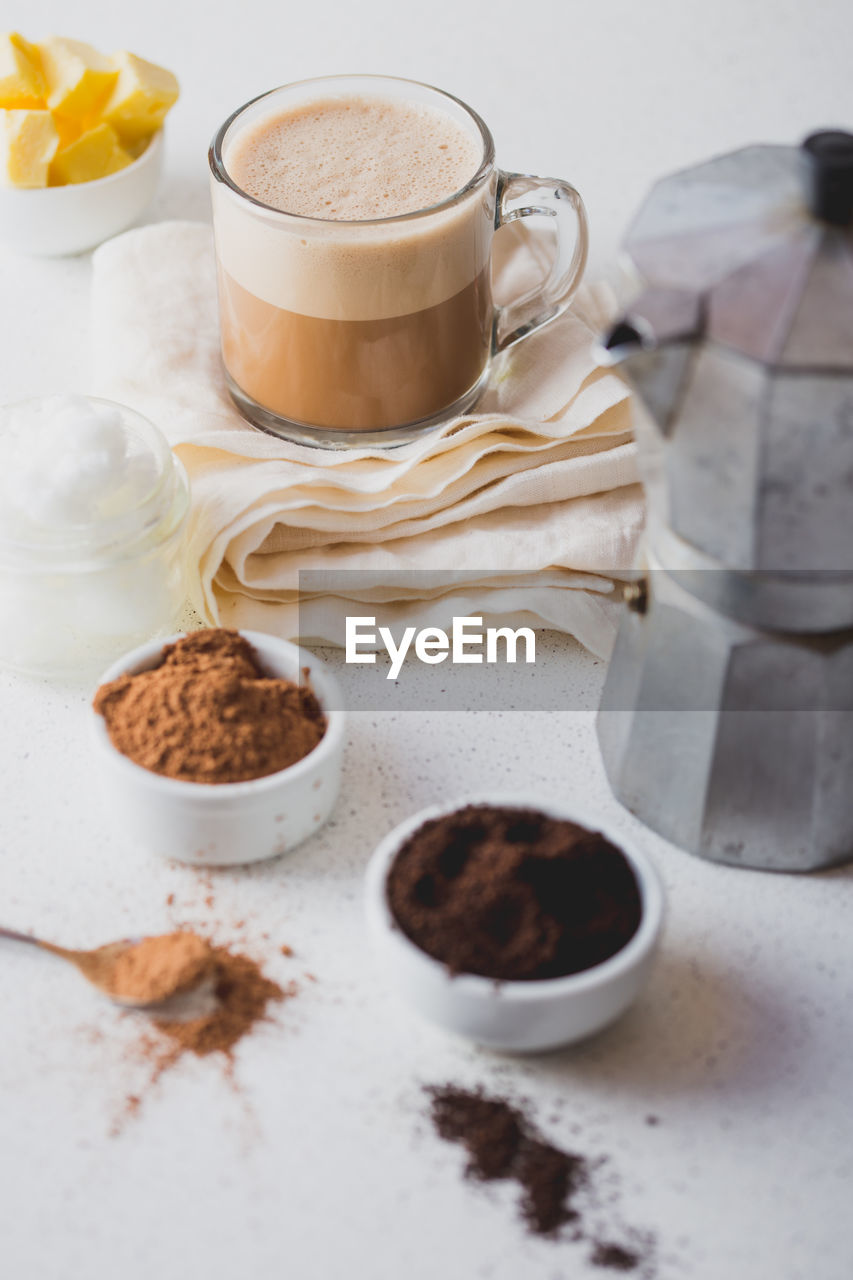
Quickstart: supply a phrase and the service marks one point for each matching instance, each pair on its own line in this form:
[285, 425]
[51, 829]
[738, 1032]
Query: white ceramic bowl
[517, 1017]
[227, 823]
[51, 221]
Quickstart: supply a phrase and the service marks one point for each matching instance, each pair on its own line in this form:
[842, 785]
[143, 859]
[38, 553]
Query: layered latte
[353, 264]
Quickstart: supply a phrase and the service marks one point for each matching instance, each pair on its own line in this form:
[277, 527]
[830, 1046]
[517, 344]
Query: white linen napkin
[538, 486]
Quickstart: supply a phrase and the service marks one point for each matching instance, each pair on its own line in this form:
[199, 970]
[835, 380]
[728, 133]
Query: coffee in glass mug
[354, 219]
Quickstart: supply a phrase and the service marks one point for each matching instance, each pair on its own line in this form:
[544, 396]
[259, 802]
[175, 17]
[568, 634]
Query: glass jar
[92, 523]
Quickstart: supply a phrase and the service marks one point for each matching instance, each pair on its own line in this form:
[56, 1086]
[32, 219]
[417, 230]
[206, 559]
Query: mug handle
[521, 195]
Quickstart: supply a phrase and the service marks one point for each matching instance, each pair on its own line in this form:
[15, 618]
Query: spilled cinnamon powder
[242, 994]
[239, 998]
[209, 713]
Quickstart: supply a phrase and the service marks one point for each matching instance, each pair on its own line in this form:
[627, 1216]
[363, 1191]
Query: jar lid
[83, 480]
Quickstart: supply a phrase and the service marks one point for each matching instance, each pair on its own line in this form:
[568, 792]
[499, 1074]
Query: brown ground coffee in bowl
[513, 894]
[209, 713]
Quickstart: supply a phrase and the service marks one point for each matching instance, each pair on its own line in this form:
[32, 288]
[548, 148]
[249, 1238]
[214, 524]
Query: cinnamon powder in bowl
[219, 747]
[208, 712]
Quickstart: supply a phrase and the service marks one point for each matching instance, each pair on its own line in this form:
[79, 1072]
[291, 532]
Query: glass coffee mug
[344, 333]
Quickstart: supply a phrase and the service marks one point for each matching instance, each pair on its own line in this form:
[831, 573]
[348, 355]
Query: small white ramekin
[224, 824]
[515, 1017]
[52, 221]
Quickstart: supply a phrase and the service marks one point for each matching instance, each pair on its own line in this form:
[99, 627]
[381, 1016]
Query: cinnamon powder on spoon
[154, 969]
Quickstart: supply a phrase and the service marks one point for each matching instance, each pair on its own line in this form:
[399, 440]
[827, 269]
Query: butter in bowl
[81, 142]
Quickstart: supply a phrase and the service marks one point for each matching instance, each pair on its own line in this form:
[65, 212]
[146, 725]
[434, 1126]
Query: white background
[322, 1165]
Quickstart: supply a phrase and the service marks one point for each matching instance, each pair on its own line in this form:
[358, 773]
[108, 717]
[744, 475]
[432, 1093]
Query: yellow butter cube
[28, 141]
[70, 130]
[79, 79]
[141, 98]
[27, 47]
[96, 153]
[21, 80]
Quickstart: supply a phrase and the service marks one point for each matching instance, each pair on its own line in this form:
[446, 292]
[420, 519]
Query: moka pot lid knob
[828, 158]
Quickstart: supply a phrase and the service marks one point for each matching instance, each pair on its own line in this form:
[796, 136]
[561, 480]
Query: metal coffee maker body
[726, 721]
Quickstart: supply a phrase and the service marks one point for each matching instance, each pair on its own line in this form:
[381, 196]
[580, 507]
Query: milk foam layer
[351, 159]
[341, 269]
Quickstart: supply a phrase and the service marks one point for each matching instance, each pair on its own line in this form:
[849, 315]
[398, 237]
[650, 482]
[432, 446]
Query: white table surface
[323, 1166]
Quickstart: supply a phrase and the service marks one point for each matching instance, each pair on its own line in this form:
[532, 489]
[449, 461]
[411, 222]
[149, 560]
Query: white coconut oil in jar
[93, 511]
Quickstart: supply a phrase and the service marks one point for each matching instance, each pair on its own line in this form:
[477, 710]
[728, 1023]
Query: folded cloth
[538, 486]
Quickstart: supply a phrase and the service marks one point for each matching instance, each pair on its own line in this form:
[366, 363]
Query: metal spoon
[96, 964]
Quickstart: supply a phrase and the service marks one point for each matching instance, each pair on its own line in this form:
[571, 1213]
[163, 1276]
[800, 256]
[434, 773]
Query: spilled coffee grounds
[503, 1144]
[513, 894]
[500, 1144]
[614, 1257]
